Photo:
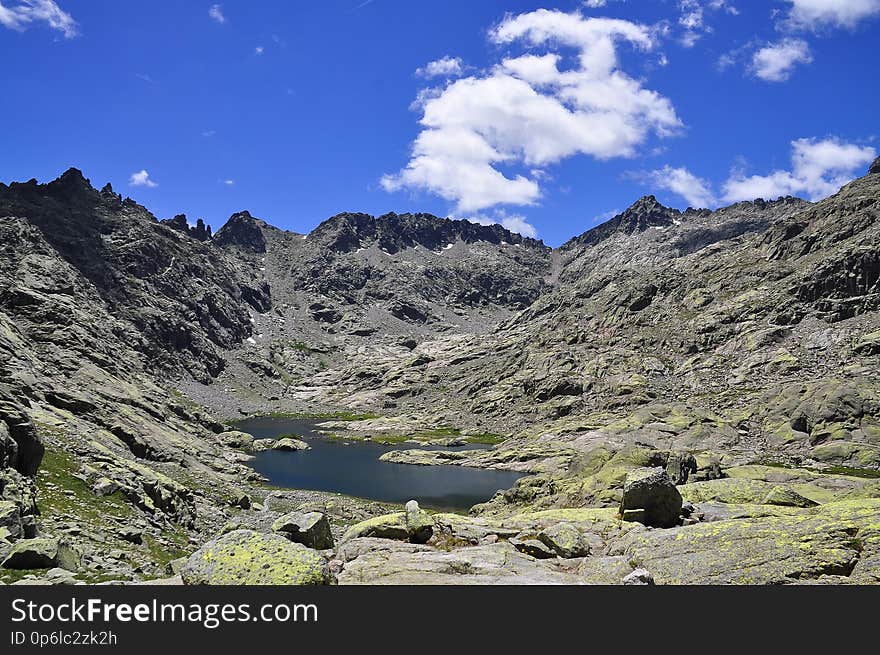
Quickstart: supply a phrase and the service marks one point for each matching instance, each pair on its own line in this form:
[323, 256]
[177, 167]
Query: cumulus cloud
[445, 67]
[141, 178]
[216, 13]
[819, 169]
[816, 14]
[27, 12]
[534, 110]
[776, 62]
[696, 191]
[513, 222]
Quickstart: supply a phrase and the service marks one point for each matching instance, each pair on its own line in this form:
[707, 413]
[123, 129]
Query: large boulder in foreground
[244, 557]
[42, 554]
[650, 498]
[310, 529]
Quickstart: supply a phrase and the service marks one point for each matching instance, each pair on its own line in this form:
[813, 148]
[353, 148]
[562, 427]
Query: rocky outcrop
[642, 215]
[21, 448]
[199, 231]
[393, 233]
[242, 231]
[837, 542]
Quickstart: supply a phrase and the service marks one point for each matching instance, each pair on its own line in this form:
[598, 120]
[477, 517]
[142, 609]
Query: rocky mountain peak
[199, 232]
[243, 231]
[875, 167]
[645, 213]
[395, 232]
[71, 182]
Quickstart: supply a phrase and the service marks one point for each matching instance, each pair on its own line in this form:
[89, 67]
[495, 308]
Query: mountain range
[736, 350]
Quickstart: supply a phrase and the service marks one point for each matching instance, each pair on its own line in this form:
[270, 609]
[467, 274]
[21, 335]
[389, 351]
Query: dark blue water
[353, 468]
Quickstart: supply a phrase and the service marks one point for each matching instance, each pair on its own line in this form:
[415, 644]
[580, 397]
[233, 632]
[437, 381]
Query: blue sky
[548, 117]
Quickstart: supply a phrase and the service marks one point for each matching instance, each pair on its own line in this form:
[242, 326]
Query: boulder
[639, 577]
[10, 520]
[311, 529]
[532, 548]
[287, 444]
[565, 540]
[680, 467]
[132, 535]
[244, 557]
[32, 554]
[419, 525]
[650, 498]
[387, 526]
[236, 439]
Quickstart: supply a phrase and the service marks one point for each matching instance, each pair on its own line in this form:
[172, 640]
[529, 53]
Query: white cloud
[815, 14]
[228, 182]
[512, 222]
[595, 4]
[445, 67]
[692, 18]
[20, 16]
[141, 178]
[819, 169]
[776, 62]
[529, 112]
[259, 50]
[216, 12]
[607, 216]
[696, 191]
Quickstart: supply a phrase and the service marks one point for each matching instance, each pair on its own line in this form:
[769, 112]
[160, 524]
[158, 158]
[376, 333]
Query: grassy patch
[302, 347]
[851, 472]
[10, 576]
[443, 431]
[60, 491]
[172, 548]
[487, 439]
